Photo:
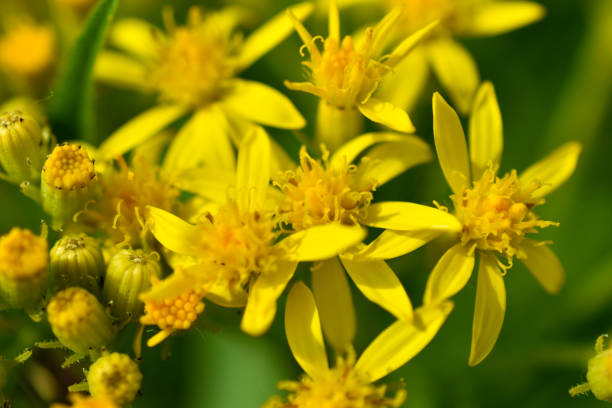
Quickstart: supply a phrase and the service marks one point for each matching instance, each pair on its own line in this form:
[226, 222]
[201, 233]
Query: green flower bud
[128, 275]
[79, 321]
[24, 272]
[67, 182]
[115, 376]
[22, 148]
[76, 260]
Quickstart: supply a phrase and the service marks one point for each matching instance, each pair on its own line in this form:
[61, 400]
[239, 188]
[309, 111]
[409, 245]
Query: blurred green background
[554, 84]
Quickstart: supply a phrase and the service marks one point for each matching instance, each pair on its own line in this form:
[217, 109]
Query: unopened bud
[115, 376]
[24, 272]
[67, 182]
[128, 275]
[79, 321]
[22, 148]
[76, 260]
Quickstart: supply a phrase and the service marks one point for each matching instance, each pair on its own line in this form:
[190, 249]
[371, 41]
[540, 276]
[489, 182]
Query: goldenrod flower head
[76, 260]
[339, 387]
[27, 49]
[496, 213]
[128, 275]
[24, 274]
[599, 374]
[79, 321]
[172, 313]
[67, 181]
[318, 193]
[114, 376]
[22, 148]
[81, 401]
[195, 60]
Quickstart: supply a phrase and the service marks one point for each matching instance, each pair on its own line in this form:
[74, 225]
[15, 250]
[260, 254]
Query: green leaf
[71, 108]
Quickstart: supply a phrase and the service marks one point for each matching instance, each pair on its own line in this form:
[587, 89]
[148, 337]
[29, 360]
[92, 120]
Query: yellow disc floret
[194, 61]
[173, 313]
[496, 213]
[24, 261]
[27, 50]
[81, 401]
[79, 321]
[68, 167]
[318, 194]
[340, 387]
[115, 376]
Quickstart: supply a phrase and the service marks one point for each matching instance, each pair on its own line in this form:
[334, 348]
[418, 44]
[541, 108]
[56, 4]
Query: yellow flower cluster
[210, 208]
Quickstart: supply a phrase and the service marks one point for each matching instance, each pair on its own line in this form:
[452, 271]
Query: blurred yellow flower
[81, 401]
[492, 215]
[599, 377]
[350, 383]
[193, 69]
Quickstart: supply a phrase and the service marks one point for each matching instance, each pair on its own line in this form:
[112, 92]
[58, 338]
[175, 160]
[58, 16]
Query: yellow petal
[263, 104]
[450, 145]
[486, 131]
[401, 341]
[381, 33]
[139, 129]
[172, 232]
[263, 295]
[137, 37]
[181, 281]
[489, 310]
[450, 275]
[321, 242]
[456, 71]
[350, 150]
[253, 172]
[335, 303]
[303, 329]
[210, 183]
[391, 244]
[204, 139]
[406, 46]
[544, 266]
[387, 114]
[405, 84]
[271, 34]
[377, 281]
[121, 71]
[334, 21]
[394, 158]
[497, 17]
[226, 295]
[553, 170]
[402, 216]
[152, 150]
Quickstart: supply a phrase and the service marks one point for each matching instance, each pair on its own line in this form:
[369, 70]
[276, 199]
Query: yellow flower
[452, 64]
[80, 401]
[350, 383]
[194, 68]
[599, 374]
[236, 249]
[493, 215]
[345, 74]
[115, 376]
[27, 50]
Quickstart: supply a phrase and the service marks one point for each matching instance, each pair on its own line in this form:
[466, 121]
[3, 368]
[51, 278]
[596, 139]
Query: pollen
[27, 49]
[318, 194]
[23, 255]
[496, 213]
[340, 387]
[115, 376]
[195, 61]
[68, 167]
[341, 74]
[173, 313]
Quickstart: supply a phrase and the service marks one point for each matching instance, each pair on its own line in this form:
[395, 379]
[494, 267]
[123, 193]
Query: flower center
[239, 243]
[68, 167]
[70, 307]
[23, 255]
[318, 194]
[340, 387]
[27, 49]
[496, 213]
[194, 62]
